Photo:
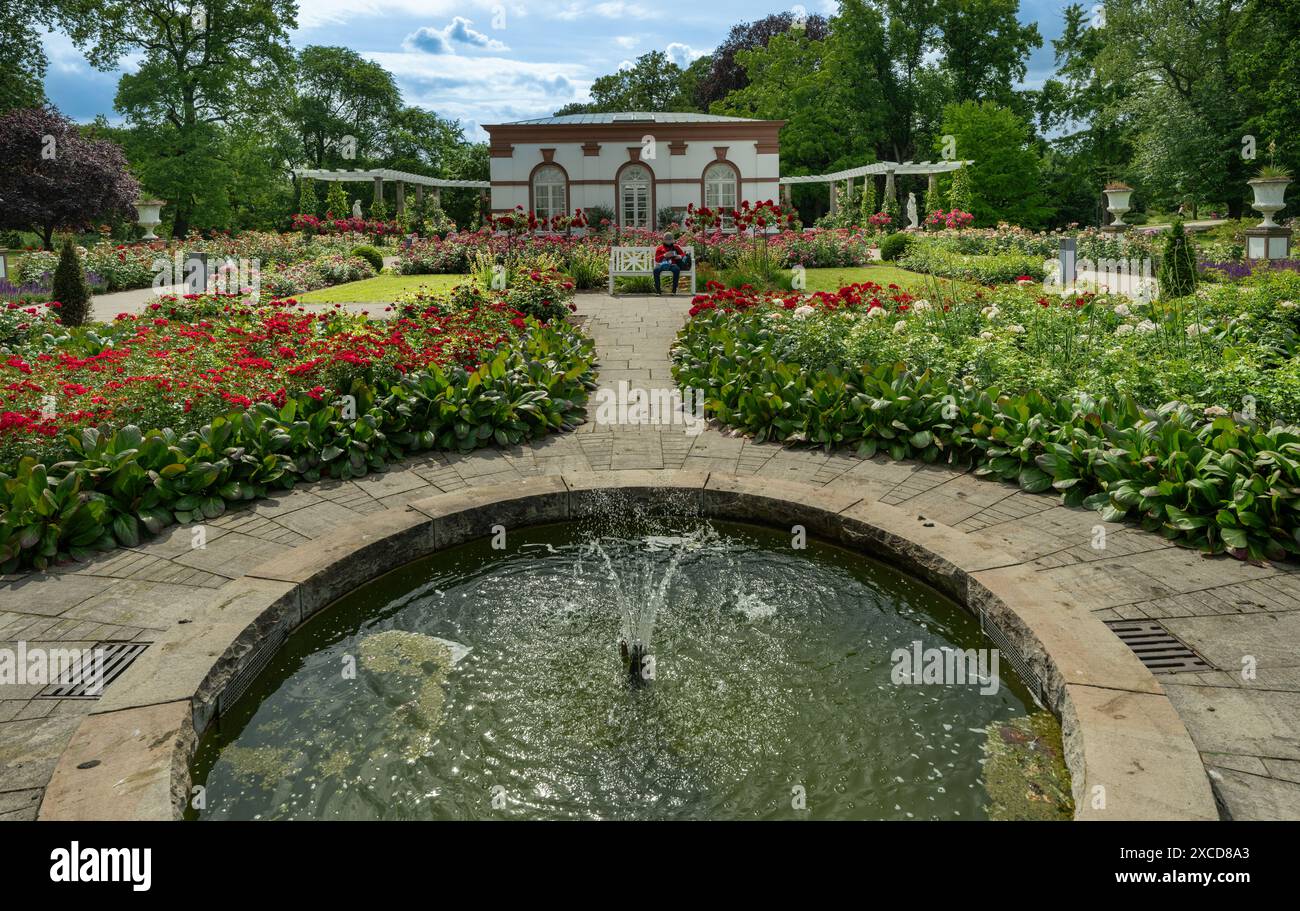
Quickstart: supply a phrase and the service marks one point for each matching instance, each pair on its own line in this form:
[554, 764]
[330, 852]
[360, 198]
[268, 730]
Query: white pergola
[378, 175]
[932, 169]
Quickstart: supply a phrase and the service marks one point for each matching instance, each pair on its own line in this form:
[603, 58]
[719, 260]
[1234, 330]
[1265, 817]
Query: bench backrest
[638, 259]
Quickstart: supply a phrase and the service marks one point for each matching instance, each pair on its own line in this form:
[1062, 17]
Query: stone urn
[150, 212]
[1117, 203]
[1269, 193]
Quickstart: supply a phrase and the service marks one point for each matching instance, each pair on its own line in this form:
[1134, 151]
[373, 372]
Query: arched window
[634, 197]
[550, 192]
[721, 186]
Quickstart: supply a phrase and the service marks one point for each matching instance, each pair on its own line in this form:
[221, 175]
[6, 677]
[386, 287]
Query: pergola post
[787, 198]
[379, 190]
[891, 194]
[437, 197]
[401, 197]
[835, 202]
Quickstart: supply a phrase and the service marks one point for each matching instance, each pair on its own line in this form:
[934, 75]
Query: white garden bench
[630, 262]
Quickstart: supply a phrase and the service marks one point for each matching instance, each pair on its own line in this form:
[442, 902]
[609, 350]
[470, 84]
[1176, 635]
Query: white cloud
[627, 41]
[618, 9]
[683, 54]
[317, 13]
[492, 90]
[460, 31]
[608, 9]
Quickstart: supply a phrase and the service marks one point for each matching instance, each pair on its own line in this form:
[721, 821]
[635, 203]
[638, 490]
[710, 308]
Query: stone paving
[1248, 730]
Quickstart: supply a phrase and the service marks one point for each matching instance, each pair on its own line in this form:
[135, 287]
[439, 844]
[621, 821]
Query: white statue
[356, 208]
[914, 222]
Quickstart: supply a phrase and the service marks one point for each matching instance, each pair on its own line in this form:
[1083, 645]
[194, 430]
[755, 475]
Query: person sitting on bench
[670, 257]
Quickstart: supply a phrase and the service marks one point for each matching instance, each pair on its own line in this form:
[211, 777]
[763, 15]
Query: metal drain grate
[77, 677]
[256, 663]
[1157, 648]
[1027, 674]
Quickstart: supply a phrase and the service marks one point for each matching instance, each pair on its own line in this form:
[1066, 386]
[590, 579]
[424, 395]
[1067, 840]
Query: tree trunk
[47, 236]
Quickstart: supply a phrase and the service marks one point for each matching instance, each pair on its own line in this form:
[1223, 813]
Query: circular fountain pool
[780, 683]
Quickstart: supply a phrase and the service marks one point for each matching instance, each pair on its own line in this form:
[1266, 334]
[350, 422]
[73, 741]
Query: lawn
[386, 288]
[835, 278]
[381, 289]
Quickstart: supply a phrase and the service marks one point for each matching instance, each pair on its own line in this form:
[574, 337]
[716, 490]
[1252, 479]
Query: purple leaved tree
[52, 178]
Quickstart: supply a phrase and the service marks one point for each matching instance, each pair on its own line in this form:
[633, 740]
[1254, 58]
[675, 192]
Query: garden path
[1248, 731]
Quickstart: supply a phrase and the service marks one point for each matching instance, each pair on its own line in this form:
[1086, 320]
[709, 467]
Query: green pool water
[486, 683]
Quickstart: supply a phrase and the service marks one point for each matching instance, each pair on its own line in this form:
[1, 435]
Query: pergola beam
[381, 174]
[878, 167]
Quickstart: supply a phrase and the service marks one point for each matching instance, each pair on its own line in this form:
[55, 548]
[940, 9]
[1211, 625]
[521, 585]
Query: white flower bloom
[876, 313]
[1196, 329]
[900, 326]
[1016, 329]
[804, 312]
[1125, 329]
[1122, 310]
[987, 336]
[990, 312]
[920, 305]
[1146, 327]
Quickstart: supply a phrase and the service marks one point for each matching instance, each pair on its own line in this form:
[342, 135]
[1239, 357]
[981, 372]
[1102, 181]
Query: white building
[635, 163]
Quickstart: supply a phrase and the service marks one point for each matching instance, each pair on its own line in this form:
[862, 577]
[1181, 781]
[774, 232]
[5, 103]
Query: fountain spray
[634, 660]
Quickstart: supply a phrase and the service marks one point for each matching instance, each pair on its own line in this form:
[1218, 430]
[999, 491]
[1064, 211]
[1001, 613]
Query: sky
[495, 61]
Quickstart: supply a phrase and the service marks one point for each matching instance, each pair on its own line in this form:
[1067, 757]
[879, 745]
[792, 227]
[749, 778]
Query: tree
[336, 201]
[69, 287]
[343, 106]
[985, 48]
[792, 78]
[52, 178]
[308, 201]
[1267, 67]
[726, 74]
[1177, 275]
[959, 191]
[868, 206]
[1005, 182]
[421, 142]
[1085, 110]
[202, 65]
[652, 83]
[1179, 55]
[22, 59]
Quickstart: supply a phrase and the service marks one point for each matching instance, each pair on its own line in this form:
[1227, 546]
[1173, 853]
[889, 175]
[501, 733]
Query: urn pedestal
[1117, 204]
[150, 216]
[1268, 239]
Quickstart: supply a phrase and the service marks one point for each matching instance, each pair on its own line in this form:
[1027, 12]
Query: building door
[634, 198]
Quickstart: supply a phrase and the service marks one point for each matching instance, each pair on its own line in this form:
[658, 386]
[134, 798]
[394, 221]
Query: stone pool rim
[1121, 733]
